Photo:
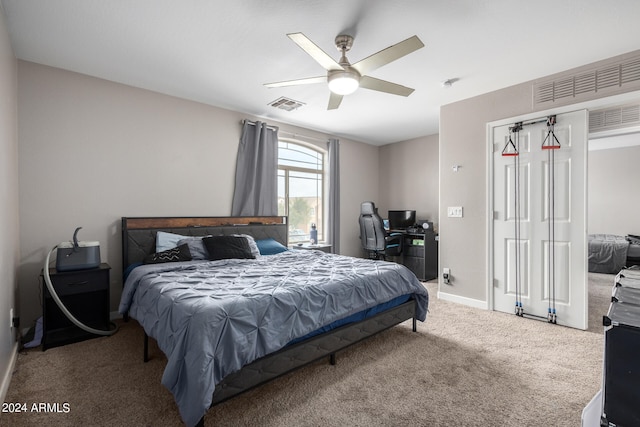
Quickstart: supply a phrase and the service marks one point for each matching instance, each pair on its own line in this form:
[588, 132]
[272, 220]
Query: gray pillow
[166, 240]
[196, 247]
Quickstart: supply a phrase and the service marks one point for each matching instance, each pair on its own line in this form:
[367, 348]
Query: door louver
[612, 78]
[614, 118]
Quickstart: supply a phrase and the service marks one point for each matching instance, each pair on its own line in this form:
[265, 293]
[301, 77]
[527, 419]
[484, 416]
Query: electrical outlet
[446, 276]
[454, 211]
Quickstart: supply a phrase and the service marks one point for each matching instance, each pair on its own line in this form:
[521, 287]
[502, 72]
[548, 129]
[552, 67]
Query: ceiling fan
[343, 77]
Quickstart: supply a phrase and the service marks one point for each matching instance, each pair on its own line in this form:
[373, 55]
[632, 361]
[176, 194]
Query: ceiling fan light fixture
[343, 78]
[343, 82]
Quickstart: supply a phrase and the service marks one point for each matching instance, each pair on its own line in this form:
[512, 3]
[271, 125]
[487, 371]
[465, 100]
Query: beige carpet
[600, 286]
[464, 366]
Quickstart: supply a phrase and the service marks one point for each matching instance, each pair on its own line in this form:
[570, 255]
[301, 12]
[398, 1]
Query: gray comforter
[212, 318]
[607, 253]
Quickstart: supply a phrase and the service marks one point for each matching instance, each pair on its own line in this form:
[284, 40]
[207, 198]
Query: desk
[319, 247]
[420, 254]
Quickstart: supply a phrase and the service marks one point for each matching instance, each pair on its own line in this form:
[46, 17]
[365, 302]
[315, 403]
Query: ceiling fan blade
[334, 101]
[307, 81]
[388, 55]
[368, 82]
[321, 57]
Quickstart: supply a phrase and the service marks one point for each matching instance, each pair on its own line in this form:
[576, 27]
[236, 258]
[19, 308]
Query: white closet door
[536, 286]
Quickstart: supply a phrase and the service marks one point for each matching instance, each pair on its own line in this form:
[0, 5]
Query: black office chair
[375, 240]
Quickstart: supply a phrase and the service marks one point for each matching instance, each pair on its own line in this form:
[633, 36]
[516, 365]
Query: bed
[232, 323]
[609, 253]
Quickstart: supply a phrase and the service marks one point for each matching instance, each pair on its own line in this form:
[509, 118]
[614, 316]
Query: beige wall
[92, 151]
[463, 132]
[463, 243]
[409, 177]
[358, 182]
[614, 175]
[10, 243]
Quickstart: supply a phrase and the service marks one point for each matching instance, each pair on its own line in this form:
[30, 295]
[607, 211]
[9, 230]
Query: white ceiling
[222, 52]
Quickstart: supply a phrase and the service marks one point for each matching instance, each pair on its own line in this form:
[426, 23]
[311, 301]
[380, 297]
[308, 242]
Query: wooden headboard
[139, 233]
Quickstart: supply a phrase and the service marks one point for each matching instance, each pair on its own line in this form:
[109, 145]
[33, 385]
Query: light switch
[454, 211]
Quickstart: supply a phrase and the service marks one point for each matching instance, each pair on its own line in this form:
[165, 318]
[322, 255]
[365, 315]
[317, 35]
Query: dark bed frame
[138, 240]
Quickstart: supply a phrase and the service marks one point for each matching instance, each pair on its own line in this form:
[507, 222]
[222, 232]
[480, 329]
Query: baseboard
[463, 300]
[6, 378]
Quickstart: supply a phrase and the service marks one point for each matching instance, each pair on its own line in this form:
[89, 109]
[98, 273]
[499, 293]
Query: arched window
[301, 188]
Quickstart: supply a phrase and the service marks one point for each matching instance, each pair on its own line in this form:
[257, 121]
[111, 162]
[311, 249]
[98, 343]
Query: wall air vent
[614, 118]
[615, 77]
[286, 104]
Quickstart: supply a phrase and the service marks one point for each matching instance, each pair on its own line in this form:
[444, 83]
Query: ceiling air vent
[614, 118]
[286, 104]
[609, 79]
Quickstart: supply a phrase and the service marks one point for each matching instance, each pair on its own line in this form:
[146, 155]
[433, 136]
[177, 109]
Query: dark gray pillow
[227, 247]
[180, 253]
[252, 244]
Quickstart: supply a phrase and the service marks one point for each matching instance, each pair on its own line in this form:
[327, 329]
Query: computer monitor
[399, 220]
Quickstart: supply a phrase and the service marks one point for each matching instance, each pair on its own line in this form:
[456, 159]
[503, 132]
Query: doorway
[612, 207]
[613, 172]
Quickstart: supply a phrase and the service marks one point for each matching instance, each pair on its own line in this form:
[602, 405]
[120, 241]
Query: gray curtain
[333, 233]
[256, 190]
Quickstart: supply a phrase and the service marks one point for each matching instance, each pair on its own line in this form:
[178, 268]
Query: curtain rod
[285, 133]
[250, 123]
[297, 135]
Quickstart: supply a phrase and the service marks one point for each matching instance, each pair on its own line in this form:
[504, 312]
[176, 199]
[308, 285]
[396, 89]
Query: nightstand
[85, 293]
[320, 247]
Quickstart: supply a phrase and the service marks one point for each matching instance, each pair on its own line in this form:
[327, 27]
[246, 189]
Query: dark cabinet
[420, 254]
[85, 293]
[621, 374]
